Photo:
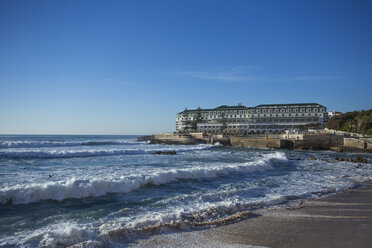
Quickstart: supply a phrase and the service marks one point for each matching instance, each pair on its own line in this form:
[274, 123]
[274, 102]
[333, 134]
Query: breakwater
[294, 141]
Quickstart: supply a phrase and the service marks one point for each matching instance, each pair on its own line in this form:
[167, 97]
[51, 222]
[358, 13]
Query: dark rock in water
[148, 138]
[298, 159]
[326, 160]
[313, 158]
[359, 159]
[259, 155]
[165, 153]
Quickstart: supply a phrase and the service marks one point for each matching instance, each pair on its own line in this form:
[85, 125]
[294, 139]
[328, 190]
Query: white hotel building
[270, 118]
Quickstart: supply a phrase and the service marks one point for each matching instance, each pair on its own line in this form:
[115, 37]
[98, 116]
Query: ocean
[108, 191]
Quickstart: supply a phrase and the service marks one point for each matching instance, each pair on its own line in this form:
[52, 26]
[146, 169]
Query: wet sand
[339, 220]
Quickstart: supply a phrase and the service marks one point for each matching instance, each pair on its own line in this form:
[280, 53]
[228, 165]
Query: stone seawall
[313, 142]
[318, 142]
[261, 143]
[309, 142]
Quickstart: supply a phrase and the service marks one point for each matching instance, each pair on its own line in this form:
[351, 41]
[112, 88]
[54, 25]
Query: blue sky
[127, 67]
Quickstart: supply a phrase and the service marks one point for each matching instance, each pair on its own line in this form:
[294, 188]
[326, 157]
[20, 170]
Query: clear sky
[127, 67]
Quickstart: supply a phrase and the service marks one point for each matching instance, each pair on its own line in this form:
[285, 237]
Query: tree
[223, 122]
[186, 121]
[197, 119]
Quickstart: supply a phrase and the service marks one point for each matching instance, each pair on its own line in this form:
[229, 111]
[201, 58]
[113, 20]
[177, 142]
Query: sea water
[108, 190]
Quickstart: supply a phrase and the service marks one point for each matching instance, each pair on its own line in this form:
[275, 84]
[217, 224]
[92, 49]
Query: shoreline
[312, 143]
[342, 219]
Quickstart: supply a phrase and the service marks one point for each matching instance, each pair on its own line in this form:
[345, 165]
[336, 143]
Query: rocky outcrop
[165, 153]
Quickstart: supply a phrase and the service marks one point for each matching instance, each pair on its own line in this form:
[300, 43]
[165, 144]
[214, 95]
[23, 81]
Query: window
[302, 110]
[282, 110]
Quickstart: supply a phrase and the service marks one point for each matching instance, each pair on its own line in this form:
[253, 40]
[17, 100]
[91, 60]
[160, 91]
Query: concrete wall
[335, 132]
[255, 142]
[318, 142]
[355, 143]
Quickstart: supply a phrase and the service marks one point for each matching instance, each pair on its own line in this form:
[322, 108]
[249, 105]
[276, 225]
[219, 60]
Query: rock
[313, 158]
[165, 153]
[326, 160]
[359, 159]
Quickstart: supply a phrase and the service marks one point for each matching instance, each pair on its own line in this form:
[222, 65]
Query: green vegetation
[356, 122]
[224, 122]
[197, 119]
[187, 122]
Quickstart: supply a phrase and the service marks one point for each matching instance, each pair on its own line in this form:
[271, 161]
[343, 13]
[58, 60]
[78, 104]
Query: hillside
[356, 122]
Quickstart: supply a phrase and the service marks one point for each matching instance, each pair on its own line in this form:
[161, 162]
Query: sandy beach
[337, 220]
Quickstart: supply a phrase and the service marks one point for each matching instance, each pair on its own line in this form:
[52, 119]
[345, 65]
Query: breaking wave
[81, 188]
[40, 154]
[48, 143]
[216, 214]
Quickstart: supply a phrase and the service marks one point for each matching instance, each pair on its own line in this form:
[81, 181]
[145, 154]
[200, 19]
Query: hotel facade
[242, 120]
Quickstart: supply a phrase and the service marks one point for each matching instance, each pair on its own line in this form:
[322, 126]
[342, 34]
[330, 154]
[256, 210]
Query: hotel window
[322, 110]
[276, 110]
[308, 110]
[315, 110]
[282, 110]
[288, 110]
[295, 110]
[302, 110]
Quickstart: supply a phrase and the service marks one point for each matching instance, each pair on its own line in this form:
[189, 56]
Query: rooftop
[240, 107]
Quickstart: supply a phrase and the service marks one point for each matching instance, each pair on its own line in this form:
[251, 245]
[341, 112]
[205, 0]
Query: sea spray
[80, 188]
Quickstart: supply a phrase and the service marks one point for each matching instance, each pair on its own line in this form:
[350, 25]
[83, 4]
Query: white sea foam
[94, 187]
[49, 143]
[29, 154]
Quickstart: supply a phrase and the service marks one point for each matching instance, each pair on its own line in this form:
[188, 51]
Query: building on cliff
[242, 120]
